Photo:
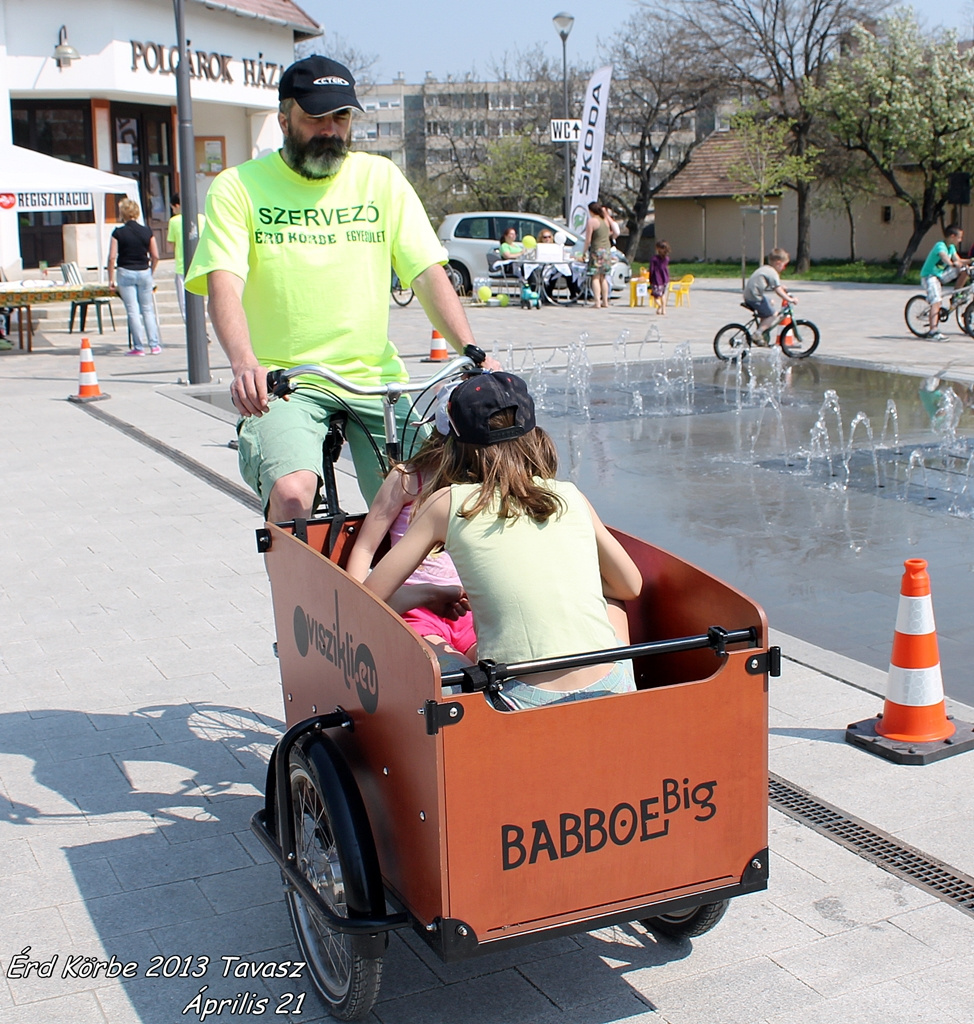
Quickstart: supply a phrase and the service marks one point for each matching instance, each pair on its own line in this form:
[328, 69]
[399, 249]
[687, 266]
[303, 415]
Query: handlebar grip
[277, 384]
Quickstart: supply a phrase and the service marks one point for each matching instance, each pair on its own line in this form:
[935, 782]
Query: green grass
[824, 270]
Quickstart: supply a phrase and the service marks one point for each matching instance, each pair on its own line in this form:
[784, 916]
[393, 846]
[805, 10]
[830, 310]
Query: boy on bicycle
[942, 266]
[767, 278]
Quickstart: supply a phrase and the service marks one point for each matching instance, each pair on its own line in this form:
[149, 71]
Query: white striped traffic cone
[914, 727]
[438, 353]
[915, 710]
[88, 389]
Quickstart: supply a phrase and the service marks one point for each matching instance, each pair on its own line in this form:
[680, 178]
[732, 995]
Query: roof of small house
[705, 174]
[278, 12]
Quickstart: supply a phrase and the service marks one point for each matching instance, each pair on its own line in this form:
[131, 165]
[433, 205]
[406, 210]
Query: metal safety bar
[487, 674]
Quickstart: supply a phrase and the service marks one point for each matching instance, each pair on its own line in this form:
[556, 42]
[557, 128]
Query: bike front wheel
[732, 342]
[347, 981]
[965, 318]
[799, 339]
[401, 296]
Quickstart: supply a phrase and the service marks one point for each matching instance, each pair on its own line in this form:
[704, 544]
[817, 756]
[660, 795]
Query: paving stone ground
[139, 701]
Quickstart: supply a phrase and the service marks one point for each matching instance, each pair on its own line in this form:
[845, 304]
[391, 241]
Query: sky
[455, 36]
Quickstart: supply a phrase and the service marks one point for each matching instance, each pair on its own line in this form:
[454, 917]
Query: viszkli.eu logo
[338, 647]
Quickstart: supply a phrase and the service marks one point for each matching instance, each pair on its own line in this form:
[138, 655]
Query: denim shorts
[518, 695]
[764, 309]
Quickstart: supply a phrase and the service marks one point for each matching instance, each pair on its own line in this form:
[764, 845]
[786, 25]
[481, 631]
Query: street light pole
[198, 361]
[563, 25]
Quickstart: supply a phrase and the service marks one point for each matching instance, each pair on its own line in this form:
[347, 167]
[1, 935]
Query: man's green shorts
[289, 436]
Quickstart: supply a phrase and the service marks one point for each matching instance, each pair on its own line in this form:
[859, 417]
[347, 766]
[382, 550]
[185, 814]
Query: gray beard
[319, 157]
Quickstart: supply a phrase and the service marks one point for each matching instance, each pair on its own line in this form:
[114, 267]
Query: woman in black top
[135, 253]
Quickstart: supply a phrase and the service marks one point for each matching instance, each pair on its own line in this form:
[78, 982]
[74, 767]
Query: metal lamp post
[197, 358]
[563, 25]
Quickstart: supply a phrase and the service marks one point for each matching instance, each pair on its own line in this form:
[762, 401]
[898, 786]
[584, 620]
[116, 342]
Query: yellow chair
[681, 290]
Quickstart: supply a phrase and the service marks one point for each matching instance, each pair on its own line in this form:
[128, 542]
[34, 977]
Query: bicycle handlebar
[281, 383]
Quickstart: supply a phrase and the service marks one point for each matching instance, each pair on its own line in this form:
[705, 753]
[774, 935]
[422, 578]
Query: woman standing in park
[136, 255]
[598, 245]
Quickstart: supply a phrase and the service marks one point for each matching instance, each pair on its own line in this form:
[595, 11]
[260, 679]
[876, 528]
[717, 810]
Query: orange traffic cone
[88, 389]
[438, 353]
[914, 727]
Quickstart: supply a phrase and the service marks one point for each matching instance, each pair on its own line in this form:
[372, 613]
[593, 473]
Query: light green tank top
[535, 588]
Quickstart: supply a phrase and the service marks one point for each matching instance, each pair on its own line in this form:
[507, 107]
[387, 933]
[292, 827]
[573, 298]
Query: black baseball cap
[473, 402]
[319, 85]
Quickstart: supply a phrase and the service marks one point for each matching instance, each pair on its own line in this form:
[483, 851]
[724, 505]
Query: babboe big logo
[339, 648]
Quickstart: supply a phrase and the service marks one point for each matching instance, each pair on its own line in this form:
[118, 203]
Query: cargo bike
[399, 796]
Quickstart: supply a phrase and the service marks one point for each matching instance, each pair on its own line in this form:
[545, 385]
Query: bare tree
[662, 105]
[776, 50]
[361, 64]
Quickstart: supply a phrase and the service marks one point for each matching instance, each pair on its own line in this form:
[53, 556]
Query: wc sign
[565, 129]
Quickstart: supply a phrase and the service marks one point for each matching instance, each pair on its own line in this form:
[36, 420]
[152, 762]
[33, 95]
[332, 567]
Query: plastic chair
[71, 273]
[681, 290]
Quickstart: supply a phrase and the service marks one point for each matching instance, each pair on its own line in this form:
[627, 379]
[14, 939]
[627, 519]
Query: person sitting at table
[510, 248]
[546, 237]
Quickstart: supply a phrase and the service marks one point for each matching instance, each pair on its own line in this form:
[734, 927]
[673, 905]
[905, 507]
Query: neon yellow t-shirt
[175, 235]
[316, 258]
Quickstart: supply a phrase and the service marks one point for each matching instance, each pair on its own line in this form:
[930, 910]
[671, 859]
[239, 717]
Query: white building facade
[114, 107]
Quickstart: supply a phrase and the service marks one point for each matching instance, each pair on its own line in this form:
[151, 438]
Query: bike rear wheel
[732, 342]
[799, 339]
[401, 296]
[917, 315]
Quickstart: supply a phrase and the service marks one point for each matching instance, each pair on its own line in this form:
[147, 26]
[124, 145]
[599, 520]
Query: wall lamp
[64, 52]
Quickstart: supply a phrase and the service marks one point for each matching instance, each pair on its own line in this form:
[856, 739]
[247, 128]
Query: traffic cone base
[438, 352]
[914, 727]
[88, 389]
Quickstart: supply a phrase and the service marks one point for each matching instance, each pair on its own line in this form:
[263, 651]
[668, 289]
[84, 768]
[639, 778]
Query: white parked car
[469, 237]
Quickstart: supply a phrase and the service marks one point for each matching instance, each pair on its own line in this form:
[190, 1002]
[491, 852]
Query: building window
[887, 214]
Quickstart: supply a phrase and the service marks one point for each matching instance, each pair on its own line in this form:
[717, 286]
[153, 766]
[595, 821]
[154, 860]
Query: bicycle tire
[689, 923]
[455, 278]
[402, 296]
[334, 864]
[732, 342]
[799, 339]
[916, 313]
[965, 318]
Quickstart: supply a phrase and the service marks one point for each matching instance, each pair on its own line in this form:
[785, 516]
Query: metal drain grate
[882, 849]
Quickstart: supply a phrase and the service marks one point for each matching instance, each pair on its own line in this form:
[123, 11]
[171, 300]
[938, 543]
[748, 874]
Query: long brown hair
[508, 473]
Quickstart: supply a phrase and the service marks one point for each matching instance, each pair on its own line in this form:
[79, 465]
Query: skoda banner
[588, 157]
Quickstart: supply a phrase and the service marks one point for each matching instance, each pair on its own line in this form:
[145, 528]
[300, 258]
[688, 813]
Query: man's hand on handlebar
[249, 391]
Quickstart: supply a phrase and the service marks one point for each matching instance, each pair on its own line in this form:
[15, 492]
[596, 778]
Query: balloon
[560, 238]
[484, 292]
[504, 299]
[529, 242]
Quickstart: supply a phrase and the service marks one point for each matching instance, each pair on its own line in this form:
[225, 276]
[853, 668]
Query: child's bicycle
[960, 302]
[798, 338]
[386, 804]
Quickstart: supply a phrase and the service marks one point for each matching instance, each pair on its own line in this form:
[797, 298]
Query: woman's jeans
[135, 288]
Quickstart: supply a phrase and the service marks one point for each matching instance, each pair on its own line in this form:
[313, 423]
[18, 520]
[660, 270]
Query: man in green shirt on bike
[942, 266]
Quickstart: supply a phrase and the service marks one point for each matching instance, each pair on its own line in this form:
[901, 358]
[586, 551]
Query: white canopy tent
[24, 171]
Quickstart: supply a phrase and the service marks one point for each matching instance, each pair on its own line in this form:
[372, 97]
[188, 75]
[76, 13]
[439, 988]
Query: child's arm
[386, 506]
[426, 531]
[621, 579]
